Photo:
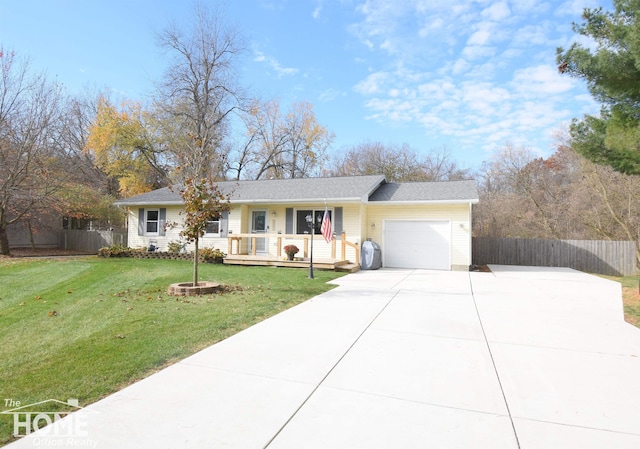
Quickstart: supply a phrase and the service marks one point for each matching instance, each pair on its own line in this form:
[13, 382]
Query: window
[152, 221]
[213, 227]
[301, 220]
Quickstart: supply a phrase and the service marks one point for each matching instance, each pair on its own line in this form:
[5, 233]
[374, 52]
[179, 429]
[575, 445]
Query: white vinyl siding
[171, 234]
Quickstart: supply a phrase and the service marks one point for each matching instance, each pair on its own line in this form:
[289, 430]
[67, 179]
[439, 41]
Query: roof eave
[417, 202]
[148, 203]
[299, 201]
[259, 201]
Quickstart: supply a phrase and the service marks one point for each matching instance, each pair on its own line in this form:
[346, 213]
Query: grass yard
[630, 299]
[86, 327]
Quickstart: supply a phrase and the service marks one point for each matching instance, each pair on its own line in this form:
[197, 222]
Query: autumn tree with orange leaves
[125, 148]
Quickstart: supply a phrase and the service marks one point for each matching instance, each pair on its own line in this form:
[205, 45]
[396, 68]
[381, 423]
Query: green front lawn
[84, 328]
[630, 298]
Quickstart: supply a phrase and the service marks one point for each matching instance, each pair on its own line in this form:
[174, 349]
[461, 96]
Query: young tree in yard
[30, 116]
[203, 202]
[612, 71]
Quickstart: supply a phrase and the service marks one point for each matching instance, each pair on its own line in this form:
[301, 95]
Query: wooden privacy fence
[90, 241]
[612, 258]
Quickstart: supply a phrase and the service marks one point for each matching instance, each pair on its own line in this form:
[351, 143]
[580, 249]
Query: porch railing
[344, 244]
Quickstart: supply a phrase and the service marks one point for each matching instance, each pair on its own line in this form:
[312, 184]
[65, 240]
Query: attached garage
[422, 244]
[425, 225]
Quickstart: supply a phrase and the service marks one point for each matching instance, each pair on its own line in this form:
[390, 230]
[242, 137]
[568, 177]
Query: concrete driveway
[521, 357]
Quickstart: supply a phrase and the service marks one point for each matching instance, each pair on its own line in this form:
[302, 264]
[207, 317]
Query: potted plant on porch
[291, 251]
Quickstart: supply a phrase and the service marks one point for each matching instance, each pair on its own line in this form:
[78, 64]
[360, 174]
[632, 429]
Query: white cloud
[437, 91]
[460, 66]
[273, 63]
[479, 38]
[372, 84]
[483, 93]
[472, 52]
[542, 79]
[530, 7]
[531, 35]
[497, 12]
[574, 7]
[511, 53]
[330, 95]
[484, 74]
[387, 45]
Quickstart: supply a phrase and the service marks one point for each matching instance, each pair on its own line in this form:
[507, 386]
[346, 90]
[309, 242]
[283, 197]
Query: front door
[259, 226]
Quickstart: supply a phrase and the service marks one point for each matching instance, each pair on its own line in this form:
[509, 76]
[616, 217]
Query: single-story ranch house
[416, 224]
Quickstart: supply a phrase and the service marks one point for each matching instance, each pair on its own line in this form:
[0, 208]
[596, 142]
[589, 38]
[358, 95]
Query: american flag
[325, 229]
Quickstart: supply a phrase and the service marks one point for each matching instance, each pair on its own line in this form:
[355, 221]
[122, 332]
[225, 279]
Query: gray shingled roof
[426, 191]
[352, 188]
[344, 189]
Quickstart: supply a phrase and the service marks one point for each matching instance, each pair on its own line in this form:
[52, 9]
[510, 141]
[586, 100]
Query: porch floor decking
[320, 264]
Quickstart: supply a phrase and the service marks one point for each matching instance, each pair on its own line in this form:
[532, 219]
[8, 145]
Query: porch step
[347, 268]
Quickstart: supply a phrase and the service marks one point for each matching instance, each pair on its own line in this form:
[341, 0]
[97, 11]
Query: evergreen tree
[612, 72]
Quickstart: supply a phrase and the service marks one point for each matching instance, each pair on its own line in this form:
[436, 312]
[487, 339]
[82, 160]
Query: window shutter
[162, 221]
[289, 221]
[337, 222]
[224, 224]
[141, 221]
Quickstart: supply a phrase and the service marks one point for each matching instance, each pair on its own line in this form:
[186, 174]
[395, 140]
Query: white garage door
[417, 244]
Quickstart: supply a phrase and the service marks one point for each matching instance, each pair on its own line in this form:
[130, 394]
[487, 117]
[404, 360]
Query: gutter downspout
[470, 221]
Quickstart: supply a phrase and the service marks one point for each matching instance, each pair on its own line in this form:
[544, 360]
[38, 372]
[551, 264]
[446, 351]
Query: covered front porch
[244, 249]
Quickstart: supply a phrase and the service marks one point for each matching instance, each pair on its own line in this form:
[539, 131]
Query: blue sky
[468, 75]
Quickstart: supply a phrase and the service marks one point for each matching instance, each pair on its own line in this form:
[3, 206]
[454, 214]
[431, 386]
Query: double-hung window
[152, 221]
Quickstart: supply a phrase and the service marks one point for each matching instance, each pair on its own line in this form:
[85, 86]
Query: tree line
[564, 196]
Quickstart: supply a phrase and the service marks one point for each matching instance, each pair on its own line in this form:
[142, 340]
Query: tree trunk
[4, 242]
[195, 265]
[31, 239]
